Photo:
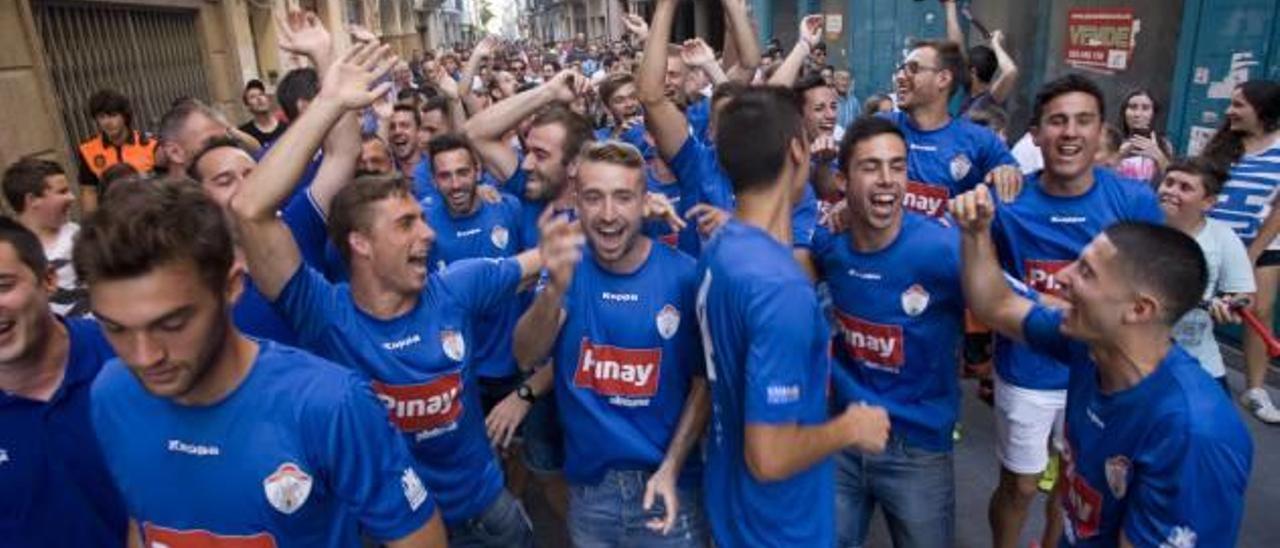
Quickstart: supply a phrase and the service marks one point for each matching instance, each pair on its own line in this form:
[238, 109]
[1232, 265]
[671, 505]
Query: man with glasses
[946, 156]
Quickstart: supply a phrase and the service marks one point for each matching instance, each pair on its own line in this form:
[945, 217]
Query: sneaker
[1049, 477]
[1258, 402]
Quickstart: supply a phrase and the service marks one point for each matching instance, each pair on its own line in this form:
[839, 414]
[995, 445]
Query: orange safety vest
[99, 154]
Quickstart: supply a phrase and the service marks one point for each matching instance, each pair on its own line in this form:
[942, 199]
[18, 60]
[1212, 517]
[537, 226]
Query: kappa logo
[500, 237]
[914, 300]
[960, 167]
[614, 371]
[287, 488]
[1117, 469]
[668, 321]
[924, 198]
[1042, 275]
[155, 536]
[454, 346]
[877, 346]
[432, 406]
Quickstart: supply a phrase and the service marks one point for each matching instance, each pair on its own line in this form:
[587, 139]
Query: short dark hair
[349, 211]
[297, 85]
[447, 142]
[1156, 109]
[1114, 138]
[577, 130]
[809, 81]
[1164, 260]
[872, 105]
[991, 116]
[26, 177]
[405, 107]
[727, 90]
[146, 222]
[110, 101]
[117, 172]
[432, 104]
[862, 129]
[221, 141]
[754, 134]
[612, 84]
[982, 59]
[1212, 174]
[950, 59]
[1071, 83]
[252, 84]
[28, 247]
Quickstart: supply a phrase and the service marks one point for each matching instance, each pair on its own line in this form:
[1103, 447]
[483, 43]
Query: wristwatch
[525, 393]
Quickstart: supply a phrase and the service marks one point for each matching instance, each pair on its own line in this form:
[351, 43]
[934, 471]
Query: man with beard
[1058, 214]
[405, 145]
[413, 334]
[47, 364]
[264, 126]
[628, 430]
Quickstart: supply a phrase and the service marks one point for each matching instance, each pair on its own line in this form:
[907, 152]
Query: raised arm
[487, 128]
[450, 90]
[302, 33]
[662, 118]
[341, 153]
[536, 331]
[696, 53]
[1008, 79]
[744, 43]
[467, 79]
[985, 290]
[272, 253]
[954, 33]
[789, 71]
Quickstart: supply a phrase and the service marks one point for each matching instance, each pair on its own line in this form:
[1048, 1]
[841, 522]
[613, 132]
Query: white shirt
[1229, 272]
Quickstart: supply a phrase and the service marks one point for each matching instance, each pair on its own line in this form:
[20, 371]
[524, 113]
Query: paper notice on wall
[1199, 137]
[1101, 38]
[1202, 76]
[835, 23]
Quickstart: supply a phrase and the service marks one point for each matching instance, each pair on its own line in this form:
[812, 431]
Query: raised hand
[811, 29]
[824, 148]
[974, 210]
[485, 48]
[302, 33]
[997, 38]
[446, 84]
[360, 35]
[348, 79]
[708, 217]
[561, 246]
[1007, 180]
[697, 53]
[569, 85]
[637, 26]
[658, 207]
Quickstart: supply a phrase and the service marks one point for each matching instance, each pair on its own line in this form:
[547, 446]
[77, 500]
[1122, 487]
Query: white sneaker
[1258, 402]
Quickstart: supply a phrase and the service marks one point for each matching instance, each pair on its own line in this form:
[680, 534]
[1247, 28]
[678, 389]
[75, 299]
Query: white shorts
[1025, 420]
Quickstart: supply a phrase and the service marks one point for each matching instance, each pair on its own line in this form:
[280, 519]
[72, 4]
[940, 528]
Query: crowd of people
[690, 297]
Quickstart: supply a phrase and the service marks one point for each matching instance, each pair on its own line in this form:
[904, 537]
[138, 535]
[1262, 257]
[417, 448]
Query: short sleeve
[824, 242]
[1185, 489]
[309, 303]
[482, 285]
[308, 227]
[1236, 275]
[1042, 329]
[994, 152]
[804, 219]
[371, 468]
[1145, 206]
[696, 170]
[778, 365]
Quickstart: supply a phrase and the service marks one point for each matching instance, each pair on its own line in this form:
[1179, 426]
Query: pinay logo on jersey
[924, 198]
[157, 536]
[1042, 275]
[614, 371]
[877, 346]
[1082, 504]
[432, 406]
[287, 488]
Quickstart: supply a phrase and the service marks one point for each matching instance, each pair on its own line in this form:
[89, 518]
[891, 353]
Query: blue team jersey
[57, 490]
[1166, 461]
[899, 315]
[1039, 234]
[624, 358]
[766, 354]
[421, 364]
[299, 454]
[492, 231]
[947, 161]
[699, 116]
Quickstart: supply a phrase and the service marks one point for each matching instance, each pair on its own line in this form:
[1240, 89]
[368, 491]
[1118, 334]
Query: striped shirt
[1248, 195]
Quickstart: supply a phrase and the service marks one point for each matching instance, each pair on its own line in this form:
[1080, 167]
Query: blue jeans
[543, 438]
[916, 489]
[611, 514]
[503, 524]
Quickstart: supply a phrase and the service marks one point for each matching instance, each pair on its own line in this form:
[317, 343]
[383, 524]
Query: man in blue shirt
[765, 339]
[414, 335]
[51, 470]
[894, 278]
[632, 405]
[282, 447]
[1155, 453]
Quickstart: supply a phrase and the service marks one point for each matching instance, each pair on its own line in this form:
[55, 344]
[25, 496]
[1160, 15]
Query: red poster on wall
[1100, 38]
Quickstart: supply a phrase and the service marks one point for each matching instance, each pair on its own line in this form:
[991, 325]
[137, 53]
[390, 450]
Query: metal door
[880, 35]
[152, 55]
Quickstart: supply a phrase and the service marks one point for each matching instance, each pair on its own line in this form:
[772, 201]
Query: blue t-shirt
[899, 315]
[421, 364]
[624, 358]
[766, 353]
[1039, 234]
[57, 490]
[299, 454]
[492, 231]
[699, 116]
[1166, 461]
[947, 161]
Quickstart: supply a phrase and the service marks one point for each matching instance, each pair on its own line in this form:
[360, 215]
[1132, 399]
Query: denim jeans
[543, 438]
[503, 524]
[611, 514]
[914, 487]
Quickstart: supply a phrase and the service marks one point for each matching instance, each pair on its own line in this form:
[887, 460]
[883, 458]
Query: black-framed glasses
[913, 68]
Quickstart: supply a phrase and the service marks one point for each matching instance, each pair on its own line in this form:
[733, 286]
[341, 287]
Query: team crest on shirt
[499, 236]
[914, 300]
[960, 166]
[453, 344]
[99, 161]
[668, 321]
[1118, 475]
[287, 488]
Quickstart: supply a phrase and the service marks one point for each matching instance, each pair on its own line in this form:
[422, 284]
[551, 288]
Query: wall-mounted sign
[1100, 38]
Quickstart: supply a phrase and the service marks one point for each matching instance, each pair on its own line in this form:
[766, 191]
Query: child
[41, 198]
